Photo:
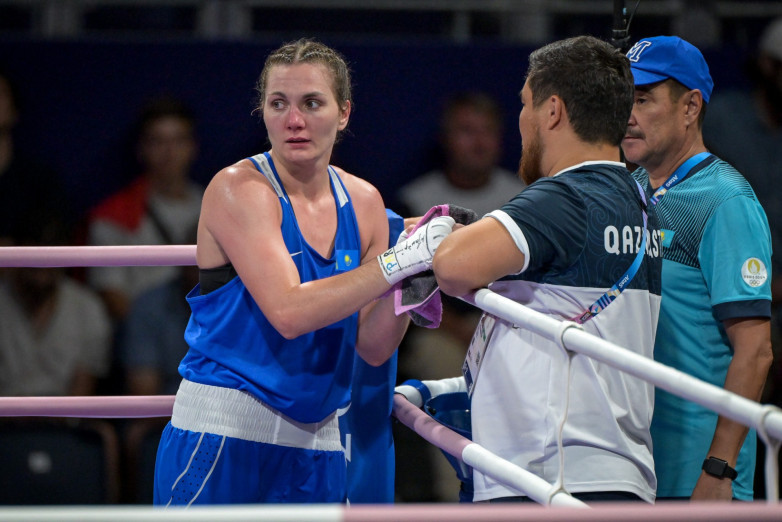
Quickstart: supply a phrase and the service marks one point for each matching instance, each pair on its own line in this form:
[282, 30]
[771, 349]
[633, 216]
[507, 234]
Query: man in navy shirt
[577, 244]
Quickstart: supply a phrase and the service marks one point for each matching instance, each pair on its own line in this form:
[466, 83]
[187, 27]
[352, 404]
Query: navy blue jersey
[592, 235]
[580, 231]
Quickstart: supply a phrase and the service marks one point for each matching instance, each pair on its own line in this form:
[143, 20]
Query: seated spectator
[471, 146]
[471, 140]
[55, 334]
[152, 343]
[159, 207]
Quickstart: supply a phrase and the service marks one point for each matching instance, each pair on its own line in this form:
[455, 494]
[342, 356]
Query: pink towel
[419, 296]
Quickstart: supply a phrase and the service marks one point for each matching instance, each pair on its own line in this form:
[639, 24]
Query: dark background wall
[80, 97]
[80, 100]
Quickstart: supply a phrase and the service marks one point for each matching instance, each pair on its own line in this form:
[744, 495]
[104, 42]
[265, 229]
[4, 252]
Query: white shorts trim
[233, 413]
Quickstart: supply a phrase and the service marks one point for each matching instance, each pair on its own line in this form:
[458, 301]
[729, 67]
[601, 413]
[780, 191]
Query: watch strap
[719, 468]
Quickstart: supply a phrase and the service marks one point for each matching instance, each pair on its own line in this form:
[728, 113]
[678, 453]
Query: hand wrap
[414, 254]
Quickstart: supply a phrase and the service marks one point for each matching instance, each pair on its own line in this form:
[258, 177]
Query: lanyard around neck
[678, 175]
[612, 293]
[607, 298]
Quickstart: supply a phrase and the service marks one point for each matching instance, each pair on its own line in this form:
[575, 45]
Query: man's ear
[693, 105]
[555, 111]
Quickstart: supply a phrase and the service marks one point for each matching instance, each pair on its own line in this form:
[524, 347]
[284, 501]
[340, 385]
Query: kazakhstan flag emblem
[347, 259]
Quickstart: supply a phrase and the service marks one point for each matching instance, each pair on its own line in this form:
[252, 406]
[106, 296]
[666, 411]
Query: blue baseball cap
[661, 57]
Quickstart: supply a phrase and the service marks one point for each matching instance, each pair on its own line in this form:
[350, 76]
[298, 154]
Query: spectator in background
[152, 343]
[159, 207]
[470, 177]
[745, 129]
[27, 185]
[55, 335]
[471, 143]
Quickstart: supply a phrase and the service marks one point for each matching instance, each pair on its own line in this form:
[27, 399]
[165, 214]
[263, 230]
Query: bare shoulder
[240, 196]
[234, 175]
[239, 204]
[236, 183]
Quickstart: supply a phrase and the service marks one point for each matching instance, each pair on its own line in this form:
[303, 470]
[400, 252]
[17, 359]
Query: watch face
[718, 468]
[715, 467]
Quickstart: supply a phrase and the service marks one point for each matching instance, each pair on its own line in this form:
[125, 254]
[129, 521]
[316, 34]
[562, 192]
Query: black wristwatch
[719, 468]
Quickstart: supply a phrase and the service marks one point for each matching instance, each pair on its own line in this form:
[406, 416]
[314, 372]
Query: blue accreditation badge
[347, 259]
[667, 237]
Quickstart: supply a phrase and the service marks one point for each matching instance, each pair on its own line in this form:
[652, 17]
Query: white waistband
[234, 413]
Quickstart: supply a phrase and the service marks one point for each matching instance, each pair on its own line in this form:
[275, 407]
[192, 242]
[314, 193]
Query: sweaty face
[531, 147]
[656, 127]
[301, 113]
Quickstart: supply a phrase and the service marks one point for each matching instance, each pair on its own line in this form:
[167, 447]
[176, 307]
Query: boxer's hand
[414, 254]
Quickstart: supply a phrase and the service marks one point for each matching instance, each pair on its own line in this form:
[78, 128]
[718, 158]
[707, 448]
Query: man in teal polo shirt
[716, 294]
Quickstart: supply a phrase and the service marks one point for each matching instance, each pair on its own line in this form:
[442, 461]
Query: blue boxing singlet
[233, 345]
[254, 420]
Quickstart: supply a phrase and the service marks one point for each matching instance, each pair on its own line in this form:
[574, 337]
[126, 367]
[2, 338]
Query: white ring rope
[772, 455]
[731, 405]
[480, 458]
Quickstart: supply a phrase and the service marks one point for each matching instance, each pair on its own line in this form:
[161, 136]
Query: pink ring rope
[162, 406]
[141, 255]
[105, 407]
[68, 256]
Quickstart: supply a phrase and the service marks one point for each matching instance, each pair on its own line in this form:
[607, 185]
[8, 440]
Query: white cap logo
[753, 271]
[634, 54]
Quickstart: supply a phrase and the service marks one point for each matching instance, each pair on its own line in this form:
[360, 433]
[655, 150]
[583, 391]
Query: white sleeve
[515, 233]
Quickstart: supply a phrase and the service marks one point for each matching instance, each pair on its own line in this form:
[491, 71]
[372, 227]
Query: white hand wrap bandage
[414, 254]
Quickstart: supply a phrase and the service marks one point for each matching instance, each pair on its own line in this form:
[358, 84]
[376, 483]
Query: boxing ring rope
[619, 512]
[98, 407]
[69, 256]
[766, 419]
[119, 407]
[480, 458]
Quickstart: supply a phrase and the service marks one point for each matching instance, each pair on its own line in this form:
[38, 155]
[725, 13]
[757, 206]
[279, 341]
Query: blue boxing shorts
[224, 446]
